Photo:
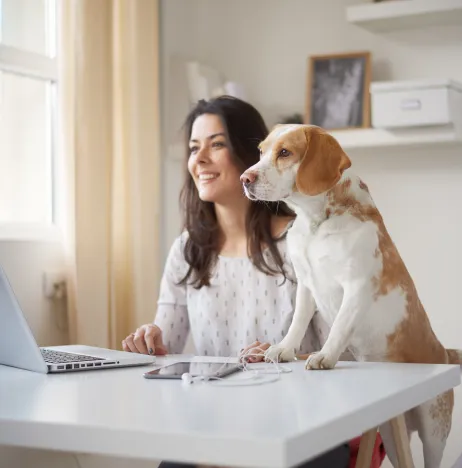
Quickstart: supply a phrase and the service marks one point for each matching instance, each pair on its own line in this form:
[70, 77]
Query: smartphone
[213, 370]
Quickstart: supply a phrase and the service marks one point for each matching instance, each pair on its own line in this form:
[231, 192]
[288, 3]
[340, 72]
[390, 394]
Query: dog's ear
[322, 164]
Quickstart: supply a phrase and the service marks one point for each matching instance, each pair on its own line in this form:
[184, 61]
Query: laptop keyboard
[57, 357]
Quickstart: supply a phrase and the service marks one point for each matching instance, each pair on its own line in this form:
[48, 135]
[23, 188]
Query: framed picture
[338, 91]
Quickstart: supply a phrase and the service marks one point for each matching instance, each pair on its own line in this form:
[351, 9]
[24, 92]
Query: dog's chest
[323, 257]
[316, 258]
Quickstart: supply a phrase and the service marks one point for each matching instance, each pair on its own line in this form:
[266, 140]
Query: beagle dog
[348, 266]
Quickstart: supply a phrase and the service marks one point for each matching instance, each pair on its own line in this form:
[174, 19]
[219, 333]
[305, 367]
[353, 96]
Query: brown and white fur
[347, 264]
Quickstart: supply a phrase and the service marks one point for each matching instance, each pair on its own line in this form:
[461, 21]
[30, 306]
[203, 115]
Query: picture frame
[337, 95]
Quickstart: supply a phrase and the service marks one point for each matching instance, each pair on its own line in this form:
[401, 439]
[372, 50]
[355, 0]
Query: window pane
[29, 25]
[25, 150]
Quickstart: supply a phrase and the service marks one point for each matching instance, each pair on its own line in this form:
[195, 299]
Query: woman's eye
[193, 149]
[218, 144]
[283, 153]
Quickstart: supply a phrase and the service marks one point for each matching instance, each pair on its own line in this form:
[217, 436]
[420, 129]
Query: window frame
[38, 67]
[28, 64]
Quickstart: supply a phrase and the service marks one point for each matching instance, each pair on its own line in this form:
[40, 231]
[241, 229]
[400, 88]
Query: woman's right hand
[146, 340]
[254, 352]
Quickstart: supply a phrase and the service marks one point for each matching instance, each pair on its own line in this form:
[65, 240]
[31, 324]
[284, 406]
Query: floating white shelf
[405, 14]
[372, 138]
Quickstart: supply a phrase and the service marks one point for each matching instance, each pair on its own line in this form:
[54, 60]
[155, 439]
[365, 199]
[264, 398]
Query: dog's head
[295, 158]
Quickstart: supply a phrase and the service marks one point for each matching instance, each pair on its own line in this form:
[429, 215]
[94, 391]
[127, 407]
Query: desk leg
[401, 439]
[366, 447]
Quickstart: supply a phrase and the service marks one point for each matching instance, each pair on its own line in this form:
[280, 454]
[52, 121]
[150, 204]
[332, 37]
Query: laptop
[18, 347]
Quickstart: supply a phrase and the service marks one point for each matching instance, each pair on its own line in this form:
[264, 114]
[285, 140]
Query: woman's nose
[202, 155]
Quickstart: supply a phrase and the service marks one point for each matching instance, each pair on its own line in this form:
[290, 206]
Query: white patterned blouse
[241, 305]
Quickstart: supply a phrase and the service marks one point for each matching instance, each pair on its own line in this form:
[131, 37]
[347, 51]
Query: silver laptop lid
[18, 347]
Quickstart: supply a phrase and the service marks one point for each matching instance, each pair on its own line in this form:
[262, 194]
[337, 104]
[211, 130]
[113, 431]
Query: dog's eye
[283, 153]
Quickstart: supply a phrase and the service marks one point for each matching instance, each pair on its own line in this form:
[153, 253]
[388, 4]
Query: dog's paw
[320, 360]
[279, 353]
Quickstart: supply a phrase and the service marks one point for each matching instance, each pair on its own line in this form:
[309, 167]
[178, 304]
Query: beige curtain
[109, 105]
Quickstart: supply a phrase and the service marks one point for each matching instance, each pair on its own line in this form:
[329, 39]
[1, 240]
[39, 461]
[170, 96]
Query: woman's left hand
[254, 352]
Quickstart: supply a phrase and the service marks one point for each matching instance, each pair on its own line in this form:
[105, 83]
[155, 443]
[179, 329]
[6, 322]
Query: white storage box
[397, 104]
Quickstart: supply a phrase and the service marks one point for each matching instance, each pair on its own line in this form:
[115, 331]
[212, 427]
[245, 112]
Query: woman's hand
[255, 352]
[146, 340]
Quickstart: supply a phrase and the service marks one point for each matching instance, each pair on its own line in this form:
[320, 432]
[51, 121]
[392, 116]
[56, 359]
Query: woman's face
[211, 164]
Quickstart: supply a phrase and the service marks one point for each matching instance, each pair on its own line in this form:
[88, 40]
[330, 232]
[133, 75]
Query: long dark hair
[245, 130]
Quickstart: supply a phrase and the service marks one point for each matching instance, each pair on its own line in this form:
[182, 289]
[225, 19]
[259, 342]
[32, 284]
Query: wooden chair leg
[366, 447]
[401, 439]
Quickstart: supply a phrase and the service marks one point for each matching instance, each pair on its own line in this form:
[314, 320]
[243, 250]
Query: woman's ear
[323, 163]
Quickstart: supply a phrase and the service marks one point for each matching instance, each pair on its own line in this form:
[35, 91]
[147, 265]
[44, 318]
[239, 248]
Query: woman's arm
[172, 309]
[173, 320]
[169, 331]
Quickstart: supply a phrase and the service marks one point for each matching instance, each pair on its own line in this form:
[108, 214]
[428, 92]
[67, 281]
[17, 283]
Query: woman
[227, 279]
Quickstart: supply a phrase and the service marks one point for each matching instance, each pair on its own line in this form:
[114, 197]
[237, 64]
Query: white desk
[119, 413]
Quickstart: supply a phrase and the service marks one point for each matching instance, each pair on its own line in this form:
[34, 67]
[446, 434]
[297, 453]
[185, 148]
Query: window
[28, 80]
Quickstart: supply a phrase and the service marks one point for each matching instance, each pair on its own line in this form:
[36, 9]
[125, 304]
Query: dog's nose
[248, 178]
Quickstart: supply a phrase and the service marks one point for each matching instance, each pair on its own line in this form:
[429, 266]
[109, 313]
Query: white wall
[178, 39]
[264, 44]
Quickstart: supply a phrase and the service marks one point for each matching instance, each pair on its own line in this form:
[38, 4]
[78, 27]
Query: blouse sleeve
[172, 311]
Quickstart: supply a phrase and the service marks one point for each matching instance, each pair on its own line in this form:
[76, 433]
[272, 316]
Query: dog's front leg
[304, 311]
[357, 298]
